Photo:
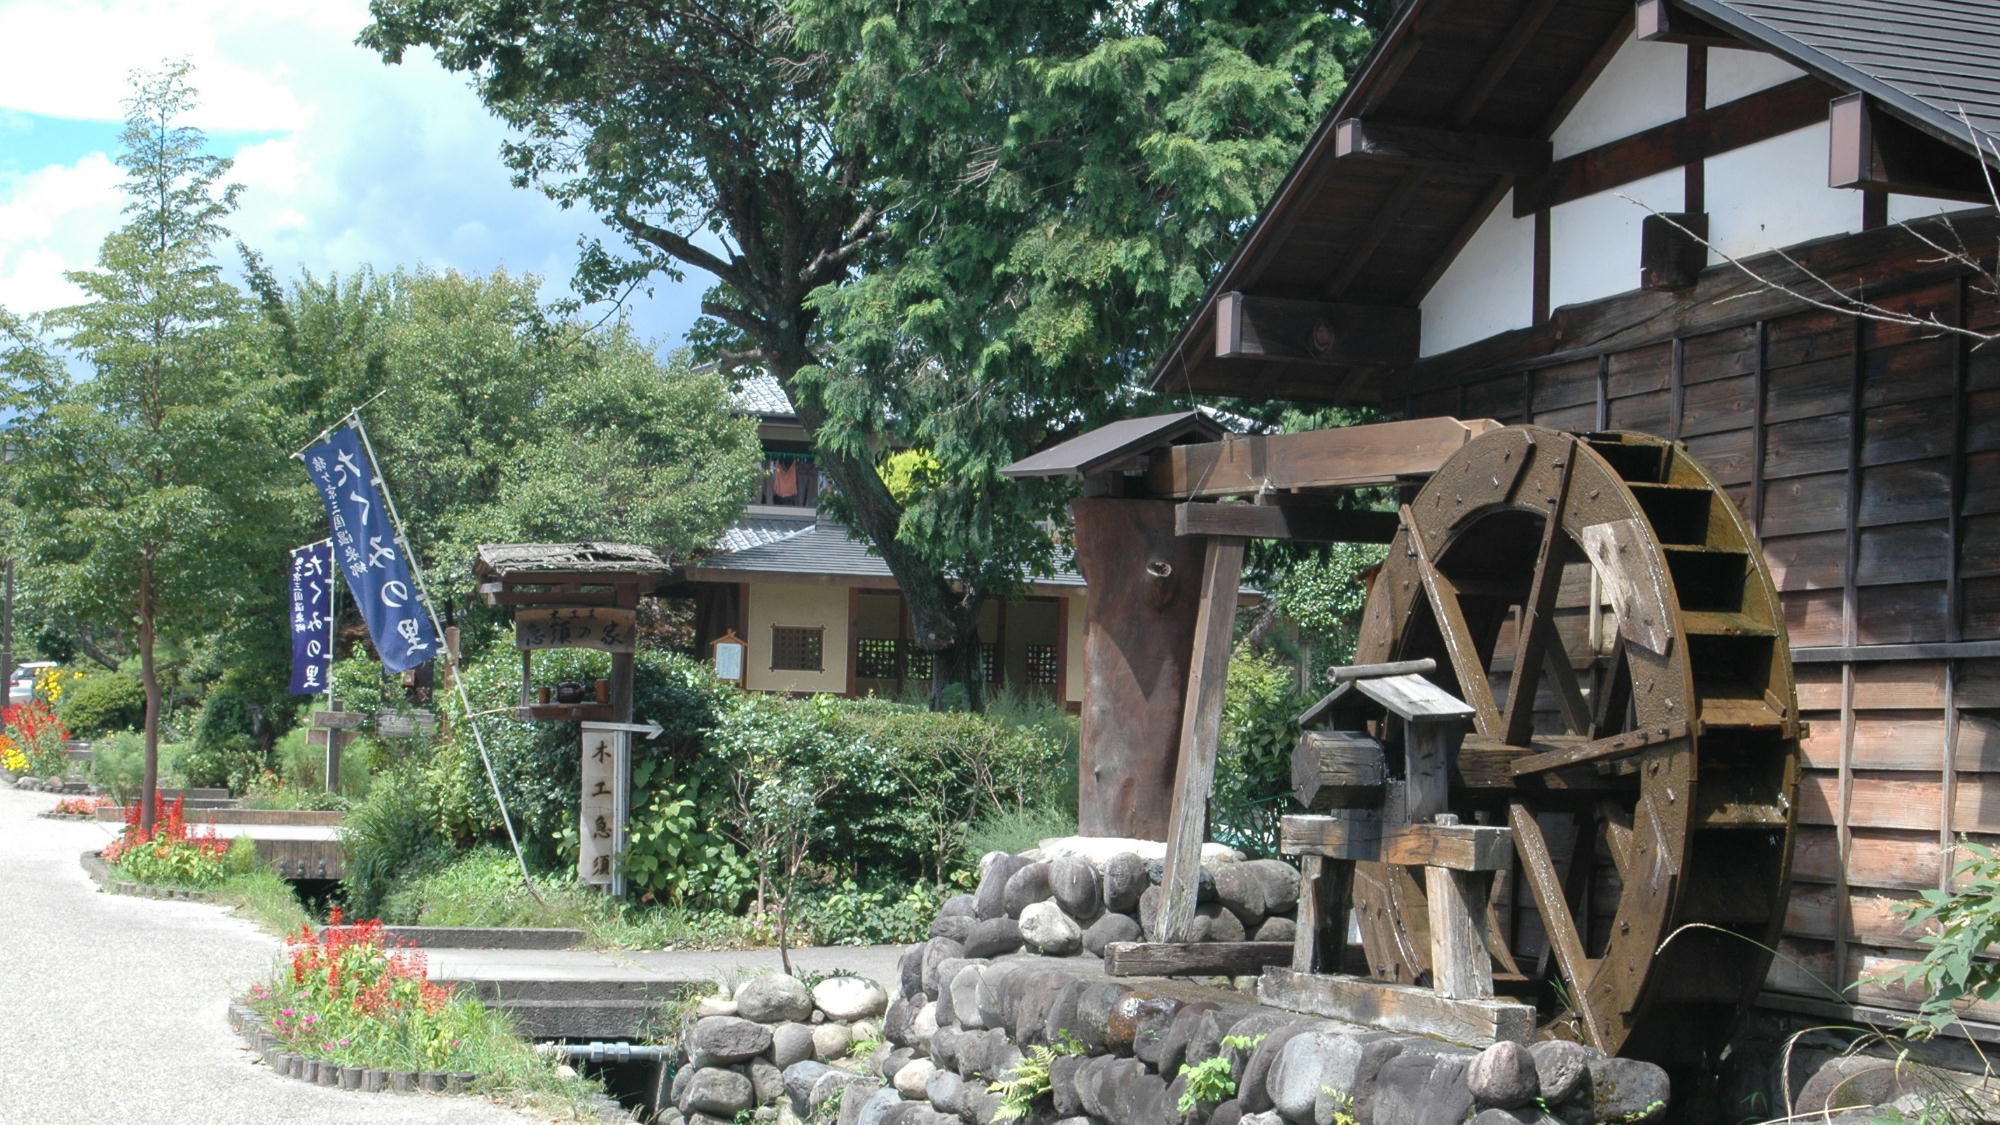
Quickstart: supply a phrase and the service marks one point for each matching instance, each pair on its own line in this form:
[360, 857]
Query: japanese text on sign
[370, 555]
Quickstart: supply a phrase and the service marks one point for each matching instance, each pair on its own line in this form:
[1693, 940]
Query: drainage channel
[637, 1075]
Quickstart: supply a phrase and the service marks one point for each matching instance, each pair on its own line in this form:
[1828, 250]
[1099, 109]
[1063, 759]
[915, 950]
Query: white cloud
[367, 164]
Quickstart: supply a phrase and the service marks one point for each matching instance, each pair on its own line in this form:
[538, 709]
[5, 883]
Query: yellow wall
[802, 606]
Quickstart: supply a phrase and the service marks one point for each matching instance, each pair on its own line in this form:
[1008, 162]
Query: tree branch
[679, 246]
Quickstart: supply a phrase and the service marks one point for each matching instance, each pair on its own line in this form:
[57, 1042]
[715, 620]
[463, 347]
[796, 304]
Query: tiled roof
[1933, 58]
[762, 395]
[826, 549]
[756, 531]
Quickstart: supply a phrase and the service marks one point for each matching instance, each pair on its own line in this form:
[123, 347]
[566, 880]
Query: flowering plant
[350, 997]
[51, 683]
[38, 735]
[171, 853]
[79, 806]
[11, 758]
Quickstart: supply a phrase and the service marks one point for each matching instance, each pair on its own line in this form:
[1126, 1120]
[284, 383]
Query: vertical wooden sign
[607, 773]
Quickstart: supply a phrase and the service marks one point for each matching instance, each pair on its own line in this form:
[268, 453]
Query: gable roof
[820, 549]
[762, 395]
[1379, 233]
[1107, 446]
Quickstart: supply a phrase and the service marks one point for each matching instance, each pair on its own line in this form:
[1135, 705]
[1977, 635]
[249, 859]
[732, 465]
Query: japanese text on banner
[371, 558]
[312, 617]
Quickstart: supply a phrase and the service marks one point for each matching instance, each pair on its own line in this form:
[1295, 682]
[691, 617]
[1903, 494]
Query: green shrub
[1253, 768]
[118, 764]
[100, 702]
[483, 887]
[885, 915]
[1015, 830]
[388, 838]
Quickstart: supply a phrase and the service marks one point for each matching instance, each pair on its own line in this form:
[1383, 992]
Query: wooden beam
[1724, 128]
[1325, 890]
[1599, 749]
[1657, 21]
[1384, 453]
[1870, 150]
[1397, 1007]
[1302, 523]
[1194, 958]
[1366, 839]
[1201, 728]
[1318, 332]
[1357, 139]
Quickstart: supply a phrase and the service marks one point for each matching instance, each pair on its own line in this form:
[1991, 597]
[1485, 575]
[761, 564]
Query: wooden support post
[1201, 726]
[1138, 636]
[1461, 969]
[1325, 889]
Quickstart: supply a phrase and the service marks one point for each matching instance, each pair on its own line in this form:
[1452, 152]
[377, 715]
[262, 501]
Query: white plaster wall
[1488, 288]
[1594, 241]
[804, 606]
[1774, 193]
[1906, 208]
[1732, 74]
[1644, 84]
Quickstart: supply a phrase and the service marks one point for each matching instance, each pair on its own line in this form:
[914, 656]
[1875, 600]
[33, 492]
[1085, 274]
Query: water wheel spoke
[1617, 836]
[1532, 646]
[1569, 693]
[1460, 648]
[1559, 926]
[1610, 701]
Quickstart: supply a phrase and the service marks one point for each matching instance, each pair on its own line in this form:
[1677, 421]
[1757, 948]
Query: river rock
[1124, 881]
[716, 1006]
[722, 1093]
[1561, 1066]
[1109, 928]
[1241, 892]
[994, 937]
[791, 1043]
[936, 952]
[990, 901]
[1280, 881]
[831, 1041]
[953, 926]
[1627, 1090]
[774, 999]
[1278, 928]
[1028, 885]
[1503, 1076]
[767, 1082]
[730, 1038]
[1212, 922]
[913, 1076]
[1076, 886]
[1047, 930]
[964, 990]
[847, 999]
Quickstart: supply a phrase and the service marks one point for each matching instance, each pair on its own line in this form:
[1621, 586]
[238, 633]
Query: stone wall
[743, 1050]
[1010, 970]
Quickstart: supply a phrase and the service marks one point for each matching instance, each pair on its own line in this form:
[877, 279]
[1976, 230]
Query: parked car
[21, 685]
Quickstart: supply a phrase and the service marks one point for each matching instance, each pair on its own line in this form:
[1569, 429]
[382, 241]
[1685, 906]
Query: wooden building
[1532, 211]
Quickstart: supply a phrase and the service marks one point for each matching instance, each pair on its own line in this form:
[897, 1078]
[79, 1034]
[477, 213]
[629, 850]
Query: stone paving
[112, 1007]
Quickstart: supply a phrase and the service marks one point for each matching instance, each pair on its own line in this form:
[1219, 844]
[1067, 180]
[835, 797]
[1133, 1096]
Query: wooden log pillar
[1139, 630]
[1201, 728]
[1461, 969]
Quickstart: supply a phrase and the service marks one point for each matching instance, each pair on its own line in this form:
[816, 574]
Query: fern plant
[1026, 1084]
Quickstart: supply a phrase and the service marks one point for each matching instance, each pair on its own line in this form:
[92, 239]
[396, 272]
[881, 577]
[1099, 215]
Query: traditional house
[821, 613]
[1716, 221]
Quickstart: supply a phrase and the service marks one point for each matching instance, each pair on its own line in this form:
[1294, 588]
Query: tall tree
[708, 137]
[144, 482]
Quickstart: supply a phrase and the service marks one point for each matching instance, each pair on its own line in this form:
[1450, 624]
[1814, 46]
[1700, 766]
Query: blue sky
[344, 161]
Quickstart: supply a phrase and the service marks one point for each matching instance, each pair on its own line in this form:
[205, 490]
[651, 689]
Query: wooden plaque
[604, 628]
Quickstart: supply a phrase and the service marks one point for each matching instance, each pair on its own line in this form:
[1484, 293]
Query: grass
[1016, 830]
[483, 888]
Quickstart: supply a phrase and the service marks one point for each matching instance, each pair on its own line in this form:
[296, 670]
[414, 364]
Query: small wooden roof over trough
[568, 568]
[1409, 697]
[1110, 447]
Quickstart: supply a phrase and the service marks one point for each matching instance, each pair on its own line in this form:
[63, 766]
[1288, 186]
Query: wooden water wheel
[1600, 602]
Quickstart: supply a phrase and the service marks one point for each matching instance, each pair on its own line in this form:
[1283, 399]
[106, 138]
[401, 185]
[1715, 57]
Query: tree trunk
[945, 620]
[150, 678]
[1138, 642]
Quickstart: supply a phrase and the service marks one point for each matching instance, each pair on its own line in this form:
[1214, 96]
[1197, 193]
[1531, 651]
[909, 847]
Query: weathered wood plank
[1198, 958]
[1352, 457]
[1338, 769]
[1397, 1007]
[1599, 749]
[1364, 837]
[1325, 890]
[1456, 901]
[1299, 522]
[1201, 725]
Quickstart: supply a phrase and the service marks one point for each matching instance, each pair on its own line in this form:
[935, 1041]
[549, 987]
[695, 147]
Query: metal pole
[451, 660]
[333, 736]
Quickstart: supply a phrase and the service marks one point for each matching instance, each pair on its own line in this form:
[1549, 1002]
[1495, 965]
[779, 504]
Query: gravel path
[112, 1007]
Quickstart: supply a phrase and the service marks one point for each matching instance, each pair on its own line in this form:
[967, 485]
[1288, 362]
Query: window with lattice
[875, 658]
[920, 666]
[1042, 665]
[989, 660]
[796, 649]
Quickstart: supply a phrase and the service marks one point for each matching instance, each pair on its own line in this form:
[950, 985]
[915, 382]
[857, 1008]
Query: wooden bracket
[1657, 21]
[1301, 523]
[1279, 328]
[1364, 838]
[1673, 250]
[1871, 150]
[1358, 139]
[1398, 1007]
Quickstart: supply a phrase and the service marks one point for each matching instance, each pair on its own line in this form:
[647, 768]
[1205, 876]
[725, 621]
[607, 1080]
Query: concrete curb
[100, 872]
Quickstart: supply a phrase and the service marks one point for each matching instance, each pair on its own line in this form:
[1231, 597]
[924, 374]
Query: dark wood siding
[1867, 455]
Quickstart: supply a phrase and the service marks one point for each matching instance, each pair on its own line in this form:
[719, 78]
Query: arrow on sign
[649, 728]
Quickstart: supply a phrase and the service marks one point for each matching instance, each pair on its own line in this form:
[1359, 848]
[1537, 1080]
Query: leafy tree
[504, 421]
[1038, 191]
[150, 486]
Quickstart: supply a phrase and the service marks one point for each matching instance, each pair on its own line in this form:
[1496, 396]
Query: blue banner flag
[312, 617]
[364, 540]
